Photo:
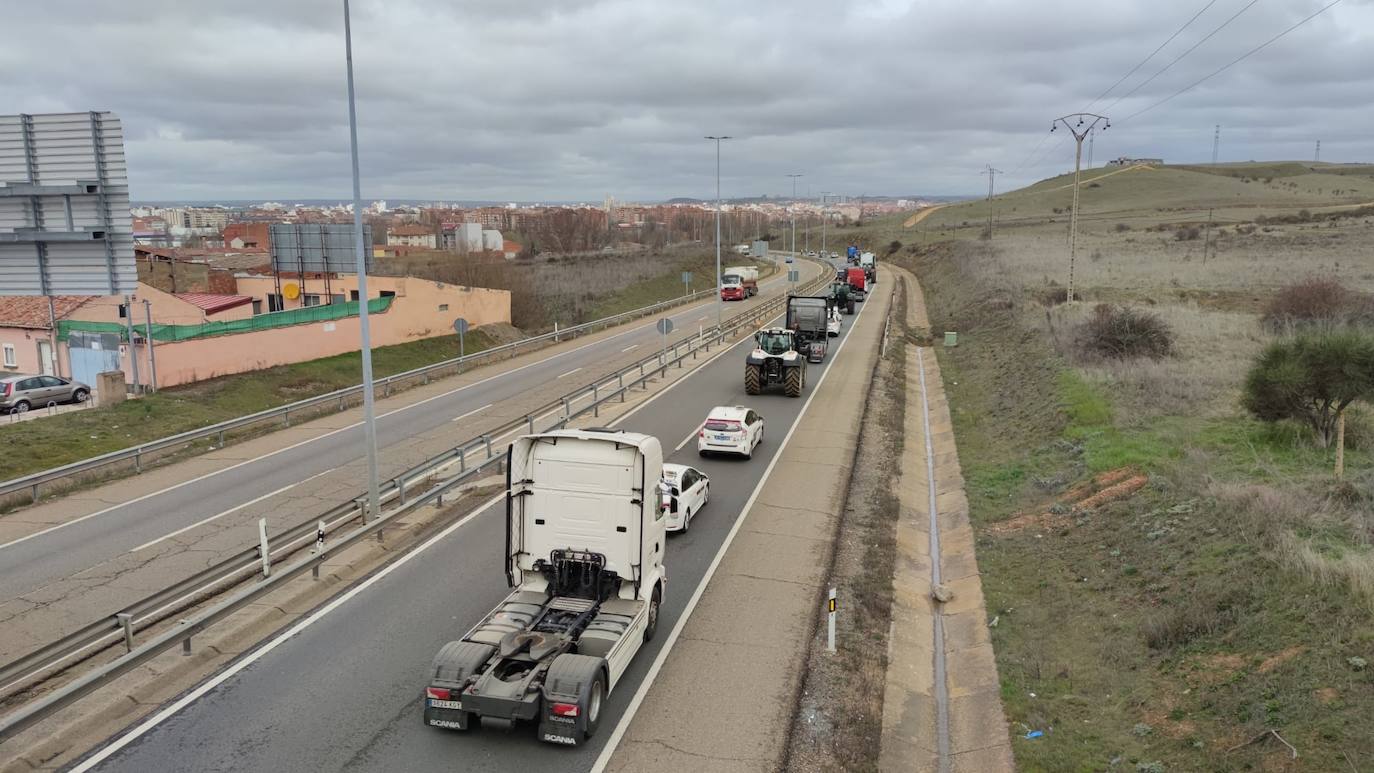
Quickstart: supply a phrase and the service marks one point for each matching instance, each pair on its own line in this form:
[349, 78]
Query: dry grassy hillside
[1171, 578]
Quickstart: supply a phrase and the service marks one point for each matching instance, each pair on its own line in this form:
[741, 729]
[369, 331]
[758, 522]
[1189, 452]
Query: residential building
[1124, 161]
[411, 235]
[247, 236]
[491, 240]
[28, 338]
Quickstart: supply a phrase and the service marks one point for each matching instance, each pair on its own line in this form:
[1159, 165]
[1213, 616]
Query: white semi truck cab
[585, 537]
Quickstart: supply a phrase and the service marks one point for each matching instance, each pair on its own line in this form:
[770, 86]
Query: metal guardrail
[401, 490]
[34, 481]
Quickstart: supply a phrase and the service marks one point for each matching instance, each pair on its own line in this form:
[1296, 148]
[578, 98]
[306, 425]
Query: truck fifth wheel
[584, 554]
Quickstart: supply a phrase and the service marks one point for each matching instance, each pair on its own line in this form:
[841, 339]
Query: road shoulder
[726, 697]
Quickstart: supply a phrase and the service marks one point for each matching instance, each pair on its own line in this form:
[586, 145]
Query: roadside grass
[31, 446]
[1232, 595]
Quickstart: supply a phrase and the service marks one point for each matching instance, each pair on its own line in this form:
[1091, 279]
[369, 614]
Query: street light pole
[792, 207]
[823, 218]
[719, 303]
[374, 504]
[1086, 122]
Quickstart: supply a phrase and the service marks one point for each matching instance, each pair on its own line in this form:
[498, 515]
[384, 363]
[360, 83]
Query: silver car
[20, 393]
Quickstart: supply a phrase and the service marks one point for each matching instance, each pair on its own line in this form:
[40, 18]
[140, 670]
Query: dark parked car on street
[20, 393]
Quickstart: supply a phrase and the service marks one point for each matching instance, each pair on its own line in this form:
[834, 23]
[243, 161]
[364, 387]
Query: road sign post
[665, 326]
[687, 282]
[792, 276]
[460, 326]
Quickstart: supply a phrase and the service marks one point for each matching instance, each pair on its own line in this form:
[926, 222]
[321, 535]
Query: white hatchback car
[731, 429]
[684, 490]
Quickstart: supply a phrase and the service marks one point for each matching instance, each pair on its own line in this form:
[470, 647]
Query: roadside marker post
[319, 548]
[830, 623]
[262, 548]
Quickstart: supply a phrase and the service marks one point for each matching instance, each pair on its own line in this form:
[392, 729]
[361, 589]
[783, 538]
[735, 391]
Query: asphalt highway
[120, 527]
[343, 693]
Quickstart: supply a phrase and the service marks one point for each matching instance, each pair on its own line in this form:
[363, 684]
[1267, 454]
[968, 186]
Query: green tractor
[775, 360]
[840, 298]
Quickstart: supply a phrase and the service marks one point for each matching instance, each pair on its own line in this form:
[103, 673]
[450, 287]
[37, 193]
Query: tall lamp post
[719, 309]
[823, 195]
[1083, 124]
[369, 419]
[792, 207]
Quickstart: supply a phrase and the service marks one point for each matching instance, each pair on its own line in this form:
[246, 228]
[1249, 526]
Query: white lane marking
[604, 758]
[469, 413]
[569, 373]
[307, 441]
[257, 654]
[689, 437]
[233, 509]
[628, 348]
[262, 651]
[702, 319]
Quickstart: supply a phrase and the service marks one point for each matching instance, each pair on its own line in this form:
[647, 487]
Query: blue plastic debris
[1034, 734]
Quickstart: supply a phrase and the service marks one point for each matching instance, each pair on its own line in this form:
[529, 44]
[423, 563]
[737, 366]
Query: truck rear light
[438, 693]
[565, 709]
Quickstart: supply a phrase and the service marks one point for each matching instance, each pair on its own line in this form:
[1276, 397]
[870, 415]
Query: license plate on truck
[434, 703]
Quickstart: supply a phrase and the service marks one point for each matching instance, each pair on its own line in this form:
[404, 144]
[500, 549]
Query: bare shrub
[1053, 296]
[1196, 616]
[1187, 234]
[1122, 227]
[1317, 301]
[1121, 332]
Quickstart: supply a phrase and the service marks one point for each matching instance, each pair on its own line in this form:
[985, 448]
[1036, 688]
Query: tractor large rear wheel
[753, 377]
[792, 382]
[849, 307]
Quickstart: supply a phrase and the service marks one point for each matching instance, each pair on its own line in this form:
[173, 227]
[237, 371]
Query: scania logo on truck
[551, 738]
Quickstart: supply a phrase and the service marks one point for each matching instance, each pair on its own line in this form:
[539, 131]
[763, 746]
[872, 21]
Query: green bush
[1312, 378]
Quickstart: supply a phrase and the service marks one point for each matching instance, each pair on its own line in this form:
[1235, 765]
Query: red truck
[858, 282]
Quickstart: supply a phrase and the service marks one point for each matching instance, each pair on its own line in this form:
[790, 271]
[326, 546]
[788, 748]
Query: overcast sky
[574, 99]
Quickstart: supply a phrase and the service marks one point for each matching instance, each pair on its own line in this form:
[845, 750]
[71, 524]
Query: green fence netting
[257, 322]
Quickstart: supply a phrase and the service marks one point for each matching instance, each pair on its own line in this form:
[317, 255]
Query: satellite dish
[291, 291]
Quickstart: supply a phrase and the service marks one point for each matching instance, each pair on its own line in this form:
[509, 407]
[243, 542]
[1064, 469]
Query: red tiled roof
[211, 303]
[31, 311]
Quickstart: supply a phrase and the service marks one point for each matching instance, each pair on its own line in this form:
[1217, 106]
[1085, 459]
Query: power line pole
[792, 208]
[1091, 137]
[719, 310]
[1079, 133]
[1216, 144]
[1319, 151]
[991, 173]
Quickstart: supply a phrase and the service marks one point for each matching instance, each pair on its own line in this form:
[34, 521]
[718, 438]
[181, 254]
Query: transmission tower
[991, 173]
[1082, 124]
[1216, 144]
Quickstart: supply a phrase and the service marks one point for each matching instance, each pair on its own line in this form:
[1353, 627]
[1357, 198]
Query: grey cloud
[529, 99]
